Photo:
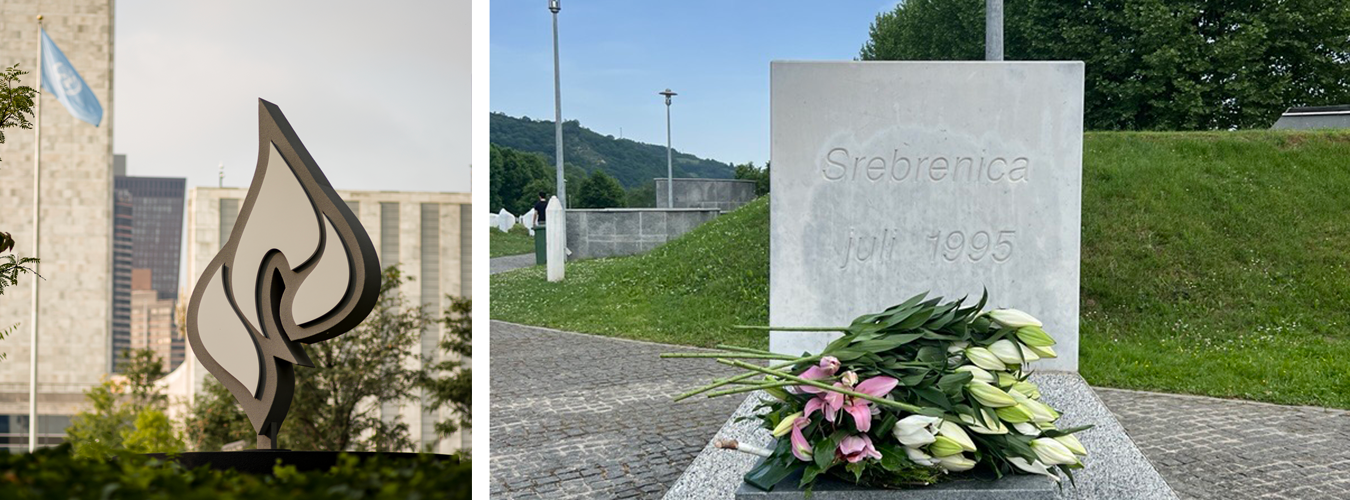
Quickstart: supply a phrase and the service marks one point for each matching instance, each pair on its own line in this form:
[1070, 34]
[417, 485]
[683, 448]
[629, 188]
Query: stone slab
[1115, 468]
[895, 178]
[1008, 488]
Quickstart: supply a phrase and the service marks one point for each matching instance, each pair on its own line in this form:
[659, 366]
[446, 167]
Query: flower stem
[751, 388]
[792, 328]
[803, 381]
[726, 355]
[737, 378]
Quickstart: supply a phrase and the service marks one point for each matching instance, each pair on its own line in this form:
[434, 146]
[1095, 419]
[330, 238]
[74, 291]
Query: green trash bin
[540, 246]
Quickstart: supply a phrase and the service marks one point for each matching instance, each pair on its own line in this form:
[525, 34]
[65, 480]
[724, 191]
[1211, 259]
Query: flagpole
[37, 202]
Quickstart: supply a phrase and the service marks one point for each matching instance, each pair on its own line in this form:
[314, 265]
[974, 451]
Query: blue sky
[617, 54]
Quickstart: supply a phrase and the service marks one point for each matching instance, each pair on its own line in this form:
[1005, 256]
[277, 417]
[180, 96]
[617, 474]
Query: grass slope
[1213, 263]
[688, 291]
[515, 242]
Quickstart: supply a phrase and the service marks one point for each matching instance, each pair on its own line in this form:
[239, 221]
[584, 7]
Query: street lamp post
[670, 172]
[554, 6]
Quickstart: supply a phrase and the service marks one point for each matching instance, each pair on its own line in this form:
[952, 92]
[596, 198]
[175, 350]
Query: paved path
[1220, 448]
[581, 416]
[504, 264]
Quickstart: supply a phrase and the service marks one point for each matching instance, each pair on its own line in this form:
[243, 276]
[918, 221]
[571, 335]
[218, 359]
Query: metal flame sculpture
[298, 268]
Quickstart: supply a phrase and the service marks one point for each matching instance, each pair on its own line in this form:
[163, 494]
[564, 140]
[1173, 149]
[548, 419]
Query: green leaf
[1064, 432]
[952, 383]
[934, 396]
[773, 470]
[824, 450]
[893, 456]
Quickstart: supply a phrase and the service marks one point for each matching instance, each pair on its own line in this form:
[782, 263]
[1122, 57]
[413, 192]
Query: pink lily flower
[860, 409]
[825, 369]
[800, 447]
[854, 449]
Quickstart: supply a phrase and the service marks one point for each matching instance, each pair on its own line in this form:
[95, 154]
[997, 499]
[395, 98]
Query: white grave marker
[893, 178]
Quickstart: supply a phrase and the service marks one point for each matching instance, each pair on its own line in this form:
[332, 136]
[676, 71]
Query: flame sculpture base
[260, 462]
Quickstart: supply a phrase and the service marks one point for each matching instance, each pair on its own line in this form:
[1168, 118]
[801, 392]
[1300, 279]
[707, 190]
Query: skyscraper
[156, 206]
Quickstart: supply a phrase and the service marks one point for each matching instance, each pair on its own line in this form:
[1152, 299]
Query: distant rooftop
[1314, 117]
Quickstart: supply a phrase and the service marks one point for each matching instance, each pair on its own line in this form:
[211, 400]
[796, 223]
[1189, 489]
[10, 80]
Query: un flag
[60, 79]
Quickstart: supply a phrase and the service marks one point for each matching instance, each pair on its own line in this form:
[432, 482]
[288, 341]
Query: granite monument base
[261, 461]
[1114, 468]
[1008, 488]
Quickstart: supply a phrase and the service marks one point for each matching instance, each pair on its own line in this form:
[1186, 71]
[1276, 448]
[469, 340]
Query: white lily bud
[849, 378]
[1027, 429]
[919, 457]
[1043, 351]
[956, 463]
[1073, 444]
[983, 358]
[953, 430]
[1052, 452]
[785, 426]
[1033, 467]
[1027, 389]
[977, 372]
[957, 347]
[1013, 318]
[1012, 353]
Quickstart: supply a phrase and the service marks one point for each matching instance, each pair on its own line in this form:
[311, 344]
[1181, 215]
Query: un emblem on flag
[70, 82]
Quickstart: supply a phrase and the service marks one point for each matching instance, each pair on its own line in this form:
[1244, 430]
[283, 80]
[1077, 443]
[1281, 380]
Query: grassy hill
[632, 163]
[1214, 263]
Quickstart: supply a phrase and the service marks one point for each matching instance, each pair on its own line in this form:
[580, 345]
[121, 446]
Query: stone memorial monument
[891, 179]
[894, 178]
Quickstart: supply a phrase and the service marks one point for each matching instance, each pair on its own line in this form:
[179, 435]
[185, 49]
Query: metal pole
[670, 172]
[993, 30]
[555, 6]
[37, 202]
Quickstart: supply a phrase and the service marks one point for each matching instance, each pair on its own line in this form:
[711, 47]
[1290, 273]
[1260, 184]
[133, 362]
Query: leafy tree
[127, 413]
[511, 173]
[448, 382]
[642, 196]
[1181, 65]
[750, 172]
[216, 419]
[16, 101]
[10, 268]
[600, 191]
[336, 405]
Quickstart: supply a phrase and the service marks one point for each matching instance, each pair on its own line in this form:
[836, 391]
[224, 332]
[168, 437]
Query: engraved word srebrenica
[842, 164]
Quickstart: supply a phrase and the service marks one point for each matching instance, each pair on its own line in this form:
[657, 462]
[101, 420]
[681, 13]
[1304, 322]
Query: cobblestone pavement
[1219, 448]
[504, 264]
[581, 416]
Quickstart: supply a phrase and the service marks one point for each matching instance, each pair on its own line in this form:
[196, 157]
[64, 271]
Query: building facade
[74, 309]
[427, 234]
[154, 324]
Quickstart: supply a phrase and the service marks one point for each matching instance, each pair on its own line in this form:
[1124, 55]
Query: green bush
[53, 473]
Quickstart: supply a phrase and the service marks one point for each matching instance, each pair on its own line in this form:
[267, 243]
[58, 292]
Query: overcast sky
[378, 91]
[617, 54]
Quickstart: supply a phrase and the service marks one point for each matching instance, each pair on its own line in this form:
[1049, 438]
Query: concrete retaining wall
[723, 194]
[595, 233]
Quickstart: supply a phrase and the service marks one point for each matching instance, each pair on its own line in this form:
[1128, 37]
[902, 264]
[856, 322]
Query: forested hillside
[632, 163]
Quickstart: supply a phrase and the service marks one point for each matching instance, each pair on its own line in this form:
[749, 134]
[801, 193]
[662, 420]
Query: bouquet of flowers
[905, 398]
